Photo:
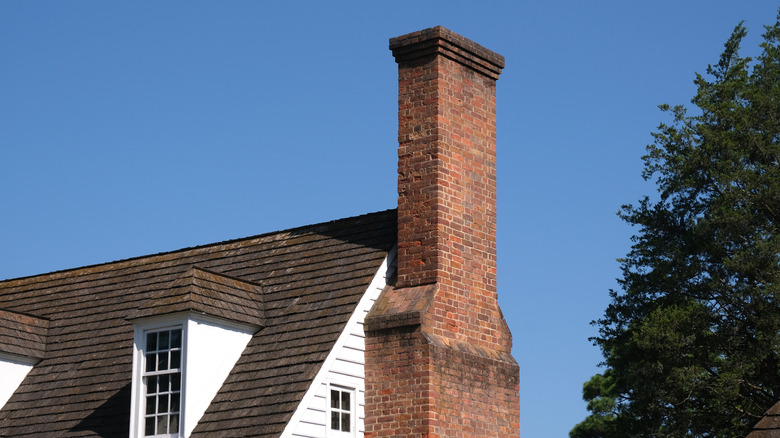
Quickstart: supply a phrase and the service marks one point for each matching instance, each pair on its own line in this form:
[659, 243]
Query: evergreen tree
[692, 339]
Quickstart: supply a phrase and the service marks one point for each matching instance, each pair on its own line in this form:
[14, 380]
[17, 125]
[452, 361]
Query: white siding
[345, 366]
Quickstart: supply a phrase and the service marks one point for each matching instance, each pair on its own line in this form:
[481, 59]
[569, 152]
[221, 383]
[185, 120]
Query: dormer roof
[22, 335]
[207, 293]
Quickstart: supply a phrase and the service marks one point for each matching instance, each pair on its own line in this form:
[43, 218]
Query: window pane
[151, 384]
[334, 398]
[162, 403]
[334, 420]
[175, 402]
[164, 383]
[149, 428]
[176, 338]
[174, 424]
[150, 405]
[175, 359]
[162, 361]
[163, 340]
[150, 362]
[176, 382]
[345, 400]
[151, 341]
[162, 424]
[345, 422]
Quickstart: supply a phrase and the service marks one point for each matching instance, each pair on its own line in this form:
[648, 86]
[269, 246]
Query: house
[382, 325]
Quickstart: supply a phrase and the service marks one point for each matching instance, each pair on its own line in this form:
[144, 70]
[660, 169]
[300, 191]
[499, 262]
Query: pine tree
[691, 340]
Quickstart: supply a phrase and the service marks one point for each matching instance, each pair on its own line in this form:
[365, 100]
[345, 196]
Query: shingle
[304, 283]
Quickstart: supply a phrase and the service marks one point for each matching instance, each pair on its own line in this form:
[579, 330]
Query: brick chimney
[438, 351]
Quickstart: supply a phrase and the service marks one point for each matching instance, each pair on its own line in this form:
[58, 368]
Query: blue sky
[130, 128]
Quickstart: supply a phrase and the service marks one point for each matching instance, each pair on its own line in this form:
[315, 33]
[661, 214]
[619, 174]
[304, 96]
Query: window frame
[341, 388]
[139, 387]
[166, 394]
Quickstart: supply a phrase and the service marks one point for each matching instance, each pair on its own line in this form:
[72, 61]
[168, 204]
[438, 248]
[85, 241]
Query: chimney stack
[438, 358]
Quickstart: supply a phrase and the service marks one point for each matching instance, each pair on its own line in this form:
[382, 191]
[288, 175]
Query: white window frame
[168, 392]
[352, 410]
[138, 392]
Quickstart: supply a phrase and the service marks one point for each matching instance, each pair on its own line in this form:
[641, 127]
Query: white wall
[212, 351]
[12, 371]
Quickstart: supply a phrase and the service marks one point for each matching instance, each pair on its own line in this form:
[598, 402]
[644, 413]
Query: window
[341, 410]
[180, 361]
[162, 382]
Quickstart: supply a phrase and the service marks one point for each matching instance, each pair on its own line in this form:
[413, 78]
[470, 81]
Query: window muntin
[162, 382]
[341, 409]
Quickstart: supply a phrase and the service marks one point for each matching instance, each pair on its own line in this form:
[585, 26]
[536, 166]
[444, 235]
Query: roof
[769, 426]
[310, 280]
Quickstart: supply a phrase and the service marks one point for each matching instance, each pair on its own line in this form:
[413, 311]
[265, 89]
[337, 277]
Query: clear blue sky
[129, 128]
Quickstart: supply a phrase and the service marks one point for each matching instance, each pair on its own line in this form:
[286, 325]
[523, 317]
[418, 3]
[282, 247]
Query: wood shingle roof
[299, 285]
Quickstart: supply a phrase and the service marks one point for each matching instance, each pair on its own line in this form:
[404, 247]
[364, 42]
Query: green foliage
[599, 391]
[692, 340]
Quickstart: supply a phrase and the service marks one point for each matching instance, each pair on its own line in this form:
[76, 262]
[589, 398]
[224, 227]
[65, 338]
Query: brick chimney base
[422, 387]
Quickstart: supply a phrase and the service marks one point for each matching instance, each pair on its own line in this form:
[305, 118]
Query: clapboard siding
[345, 366]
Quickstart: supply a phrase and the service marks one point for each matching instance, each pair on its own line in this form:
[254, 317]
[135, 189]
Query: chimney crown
[447, 43]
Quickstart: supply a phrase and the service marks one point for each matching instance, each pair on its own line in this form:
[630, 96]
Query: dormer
[186, 341]
[22, 345]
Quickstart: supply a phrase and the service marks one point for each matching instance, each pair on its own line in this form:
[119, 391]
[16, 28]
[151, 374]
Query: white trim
[200, 317]
[321, 379]
[16, 359]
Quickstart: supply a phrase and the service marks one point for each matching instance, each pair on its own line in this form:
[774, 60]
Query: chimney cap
[443, 41]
